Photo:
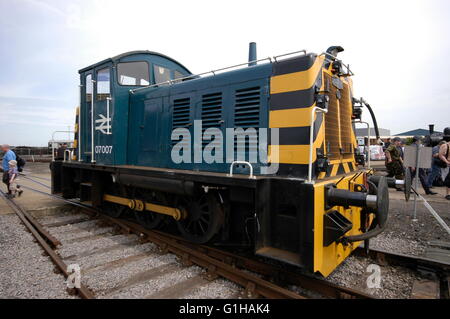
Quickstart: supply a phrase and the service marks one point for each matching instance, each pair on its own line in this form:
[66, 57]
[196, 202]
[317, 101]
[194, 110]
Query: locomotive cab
[104, 95]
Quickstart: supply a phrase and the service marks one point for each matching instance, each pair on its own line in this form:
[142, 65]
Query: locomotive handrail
[92, 124]
[108, 106]
[315, 110]
[192, 76]
[241, 162]
[368, 140]
[347, 66]
[53, 141]
[79, 123]
[286, 54]
[70, 155]
[170, 82]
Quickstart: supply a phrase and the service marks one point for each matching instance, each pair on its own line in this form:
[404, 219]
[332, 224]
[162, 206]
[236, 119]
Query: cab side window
[103, 84]
[133, 73]
[162, 74]
[89, 88]
[178, 75]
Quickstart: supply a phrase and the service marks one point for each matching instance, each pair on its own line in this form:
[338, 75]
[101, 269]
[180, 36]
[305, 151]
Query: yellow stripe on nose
[290, 117]
[295, 81]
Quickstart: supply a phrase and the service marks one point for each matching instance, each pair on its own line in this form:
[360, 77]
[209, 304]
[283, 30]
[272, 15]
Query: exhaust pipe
[252, 54]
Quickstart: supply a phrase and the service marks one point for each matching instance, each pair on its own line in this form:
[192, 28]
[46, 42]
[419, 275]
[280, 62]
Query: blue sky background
[397, 49]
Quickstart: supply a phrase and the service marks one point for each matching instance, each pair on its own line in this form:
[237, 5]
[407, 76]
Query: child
[13, 173]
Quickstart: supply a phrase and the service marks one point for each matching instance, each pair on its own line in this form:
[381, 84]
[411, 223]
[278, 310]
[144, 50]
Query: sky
[398, 50]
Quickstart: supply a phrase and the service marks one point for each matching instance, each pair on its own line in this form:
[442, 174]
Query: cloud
[45, 6]
[32, 112]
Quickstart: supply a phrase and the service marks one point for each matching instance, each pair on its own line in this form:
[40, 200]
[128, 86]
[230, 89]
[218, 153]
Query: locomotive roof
[120, 56]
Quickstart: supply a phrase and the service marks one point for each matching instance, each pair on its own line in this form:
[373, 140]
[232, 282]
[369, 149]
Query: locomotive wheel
[148, 219]
[113, 210]
[204, 218]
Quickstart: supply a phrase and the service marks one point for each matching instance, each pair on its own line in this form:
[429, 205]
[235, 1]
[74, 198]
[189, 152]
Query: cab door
[103, 116]
[86, 114]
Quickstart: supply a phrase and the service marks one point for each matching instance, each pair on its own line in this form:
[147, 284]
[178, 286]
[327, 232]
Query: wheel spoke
[201, 227]
[203, 218]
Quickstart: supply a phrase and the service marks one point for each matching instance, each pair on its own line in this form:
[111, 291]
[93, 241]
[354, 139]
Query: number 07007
[103, 149]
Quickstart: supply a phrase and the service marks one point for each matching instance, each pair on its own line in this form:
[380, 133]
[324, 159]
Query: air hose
[374, 119]
[381, 214]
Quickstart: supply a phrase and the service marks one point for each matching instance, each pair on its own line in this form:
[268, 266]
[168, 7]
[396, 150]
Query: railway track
[255, 277]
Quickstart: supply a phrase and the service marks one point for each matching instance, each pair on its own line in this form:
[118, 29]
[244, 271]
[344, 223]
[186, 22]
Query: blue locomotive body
[261, 155]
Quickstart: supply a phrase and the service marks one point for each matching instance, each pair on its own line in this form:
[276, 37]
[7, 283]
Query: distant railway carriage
[153, 139]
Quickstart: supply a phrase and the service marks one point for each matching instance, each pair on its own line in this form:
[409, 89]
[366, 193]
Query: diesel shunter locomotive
[153, 141]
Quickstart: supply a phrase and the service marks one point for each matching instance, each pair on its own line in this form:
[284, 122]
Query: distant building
[416, 132]
[362, 132]
[361, 135]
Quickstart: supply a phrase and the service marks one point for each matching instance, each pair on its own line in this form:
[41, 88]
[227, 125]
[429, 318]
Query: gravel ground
[100, 259]
[103, 280]
[150, 287]
[218, 289]
[63, 218]
[24, 271]
[100, 243]
[59, 210]
[403, 235]
[75, 234]
[90, 225]
[394, 243]
[396, 282]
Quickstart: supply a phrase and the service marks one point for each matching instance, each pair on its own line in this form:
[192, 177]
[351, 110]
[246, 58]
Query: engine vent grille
[338, 122]
[211, 112]
[332, 132]
[345, 108]
[246, 114]
[246, 109]
[181, 114]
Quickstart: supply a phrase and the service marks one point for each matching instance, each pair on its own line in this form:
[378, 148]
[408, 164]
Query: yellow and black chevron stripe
[292, 96]
[293, 85]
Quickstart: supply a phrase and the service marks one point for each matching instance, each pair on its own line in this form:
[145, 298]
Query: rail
[45, 240]
[233, 267]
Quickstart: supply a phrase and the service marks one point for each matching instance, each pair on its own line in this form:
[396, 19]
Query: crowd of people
[438, 175]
